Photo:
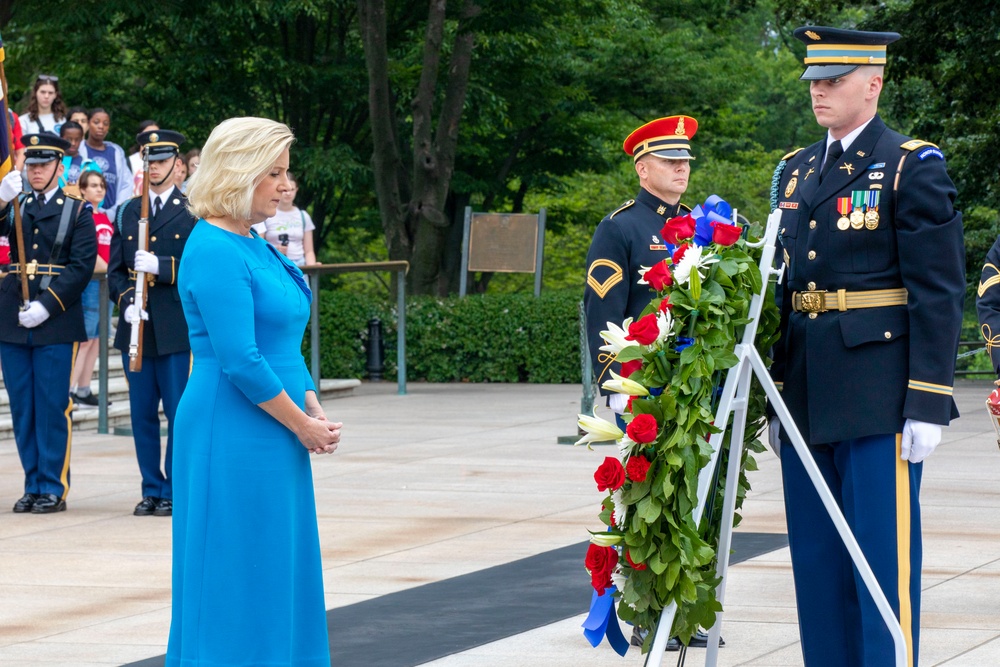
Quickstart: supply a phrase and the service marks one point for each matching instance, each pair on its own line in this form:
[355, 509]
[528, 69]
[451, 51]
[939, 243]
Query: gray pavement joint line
[966, 652]
[962, 574]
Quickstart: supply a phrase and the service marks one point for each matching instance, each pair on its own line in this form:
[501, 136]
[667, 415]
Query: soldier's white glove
[618, 403]
[11, 186]
[774, 436]
[147, 262]
[34, 315]
[133, 312]
[919, 440]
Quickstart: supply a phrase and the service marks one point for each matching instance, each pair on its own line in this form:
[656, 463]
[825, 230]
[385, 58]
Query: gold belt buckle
[812, 302]
[31, 268]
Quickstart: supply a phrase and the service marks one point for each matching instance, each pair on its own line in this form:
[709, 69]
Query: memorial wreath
[673, 361]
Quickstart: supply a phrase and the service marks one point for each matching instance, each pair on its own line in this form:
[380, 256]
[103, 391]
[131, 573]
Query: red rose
[679, 253]
[724, 234]
[610, 475]
[665, 305]
[629, 367]
[678, 229]
[637, 467]
[628, 406]
[643, 429]
[633, 564]
[600, 563]
[658, 276]
[645, 331]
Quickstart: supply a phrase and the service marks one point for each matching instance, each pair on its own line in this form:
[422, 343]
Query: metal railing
[313, 271]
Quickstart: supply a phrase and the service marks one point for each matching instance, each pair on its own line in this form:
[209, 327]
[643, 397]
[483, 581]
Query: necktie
[832, 155]
[157, 205]
[39, 202]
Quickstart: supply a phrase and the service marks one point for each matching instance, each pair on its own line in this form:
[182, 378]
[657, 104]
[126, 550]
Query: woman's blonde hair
[235, 159]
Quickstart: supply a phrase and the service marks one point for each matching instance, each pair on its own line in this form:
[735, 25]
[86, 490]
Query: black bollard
[376, 351]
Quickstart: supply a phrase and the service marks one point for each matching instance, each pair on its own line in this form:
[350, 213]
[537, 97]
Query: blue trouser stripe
[839, 623]
[37, 381]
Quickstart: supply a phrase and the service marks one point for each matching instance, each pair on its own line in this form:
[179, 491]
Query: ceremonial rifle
[135, 341]
[18, 225]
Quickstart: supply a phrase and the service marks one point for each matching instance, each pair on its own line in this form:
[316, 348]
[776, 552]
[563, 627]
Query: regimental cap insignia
[812, 35]
[668, 138]
[154, 137]
[680, 126]
[34, 141]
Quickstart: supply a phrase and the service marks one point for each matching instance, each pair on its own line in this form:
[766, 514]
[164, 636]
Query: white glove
[774, 436]
[34, 315]
[11, 186]
[919, 440]
[147, 262]
[132, 314]
[618, 403]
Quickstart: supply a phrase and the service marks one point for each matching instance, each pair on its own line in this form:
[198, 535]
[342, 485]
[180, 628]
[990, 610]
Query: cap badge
[680, 127]
[154, 137]
[812, 35]
[34, 141]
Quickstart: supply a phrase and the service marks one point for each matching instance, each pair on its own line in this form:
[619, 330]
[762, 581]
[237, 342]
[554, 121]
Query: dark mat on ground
[421, 624]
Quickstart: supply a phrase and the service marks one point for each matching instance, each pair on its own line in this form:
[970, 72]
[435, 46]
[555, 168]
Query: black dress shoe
[25, 504]
[146, 507]
[48, 503]
[700, 640]
[164, 507]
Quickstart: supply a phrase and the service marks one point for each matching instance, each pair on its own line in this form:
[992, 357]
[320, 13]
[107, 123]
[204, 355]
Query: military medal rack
[734, 402]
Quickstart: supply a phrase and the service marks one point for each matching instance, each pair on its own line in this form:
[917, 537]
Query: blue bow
[715, 209]
[602, 622]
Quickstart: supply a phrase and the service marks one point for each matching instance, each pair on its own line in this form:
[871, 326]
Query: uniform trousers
[37, 381]
[162, 377]
[839, 624]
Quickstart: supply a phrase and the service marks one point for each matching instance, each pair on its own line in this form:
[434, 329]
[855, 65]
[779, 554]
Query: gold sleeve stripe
[61, 304]
[602, 288]
[991, 281]
[123, 296]
[930, 387]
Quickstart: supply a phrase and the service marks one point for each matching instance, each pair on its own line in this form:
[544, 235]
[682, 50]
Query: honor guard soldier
[988, 305]
[54, 256]
[629, 237]
[871, 311]
[165, 353]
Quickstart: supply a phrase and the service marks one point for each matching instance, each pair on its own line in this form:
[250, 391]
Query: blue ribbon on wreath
[602, 622]
[715, 209]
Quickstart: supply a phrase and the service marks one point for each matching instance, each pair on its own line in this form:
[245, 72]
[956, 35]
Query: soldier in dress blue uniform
[988, 305]
[629, 237]
[871, 311]
[166, 353]
[39, 339]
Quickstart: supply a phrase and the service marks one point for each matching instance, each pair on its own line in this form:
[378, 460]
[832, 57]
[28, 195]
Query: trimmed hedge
[481, 338]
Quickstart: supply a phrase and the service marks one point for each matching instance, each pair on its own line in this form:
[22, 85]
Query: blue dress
[247, 571]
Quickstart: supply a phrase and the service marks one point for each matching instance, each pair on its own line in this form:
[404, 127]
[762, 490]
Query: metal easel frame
[735, 393]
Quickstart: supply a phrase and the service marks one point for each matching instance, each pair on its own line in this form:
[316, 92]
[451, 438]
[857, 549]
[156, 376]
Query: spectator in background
[290, 230]
[93, 187]
[180, 175]
[79, 115]
[72, 162]
[46, 110]
[110, 157]
[192, 159]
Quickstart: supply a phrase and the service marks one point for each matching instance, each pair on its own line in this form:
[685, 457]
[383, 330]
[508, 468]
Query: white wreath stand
[734, 400]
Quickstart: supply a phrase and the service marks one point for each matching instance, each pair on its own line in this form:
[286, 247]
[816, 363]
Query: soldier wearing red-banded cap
[629, 237]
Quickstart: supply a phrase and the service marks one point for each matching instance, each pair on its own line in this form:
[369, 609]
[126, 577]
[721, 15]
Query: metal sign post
[735, 393]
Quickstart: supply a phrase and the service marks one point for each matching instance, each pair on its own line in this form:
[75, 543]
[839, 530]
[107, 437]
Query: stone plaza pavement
[453, 479]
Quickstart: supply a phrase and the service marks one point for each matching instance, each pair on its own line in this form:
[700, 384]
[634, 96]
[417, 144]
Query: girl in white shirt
[290, 229]
[46, 110]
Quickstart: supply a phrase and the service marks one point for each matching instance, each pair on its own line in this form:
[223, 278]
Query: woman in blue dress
[247, 571]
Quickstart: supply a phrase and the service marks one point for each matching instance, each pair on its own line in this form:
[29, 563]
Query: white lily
[691, 261]
[614, 337]
[622, 385]
[606, 539]
[597, 429]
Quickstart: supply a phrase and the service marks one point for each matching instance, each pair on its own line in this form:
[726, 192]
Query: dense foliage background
[538, 108]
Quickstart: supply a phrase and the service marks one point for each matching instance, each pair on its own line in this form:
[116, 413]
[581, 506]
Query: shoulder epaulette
[914, 144]
[76, 197]
[792, 154]
[684, 207]
[622, 208]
